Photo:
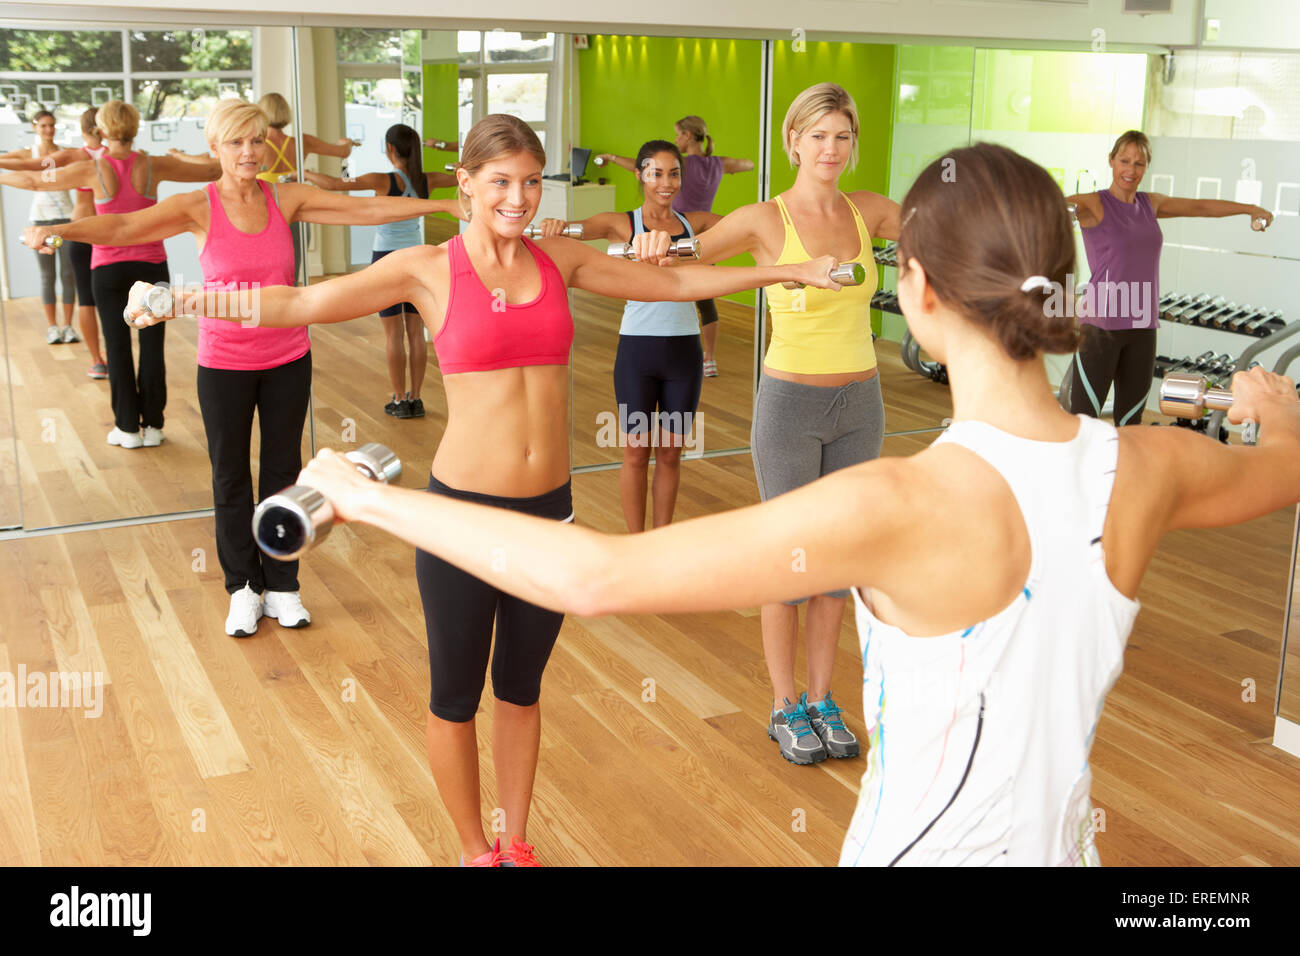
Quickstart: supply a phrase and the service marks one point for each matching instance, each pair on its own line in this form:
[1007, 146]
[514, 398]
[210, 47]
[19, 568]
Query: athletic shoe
[403, 409]
[392, 407]
[710, 368]
[286, 607]
[53, 336]
[98, 370]
[125, 439]
[70, 335]
[791, 728]
[492, 857]
[417, 407]
[245, 611]
[153, 437]
[829, 727]
[519, 854]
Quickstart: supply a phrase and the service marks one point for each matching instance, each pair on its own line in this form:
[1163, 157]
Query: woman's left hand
[652, 247]
[1260, 214]
[338, 479]
[35, 236]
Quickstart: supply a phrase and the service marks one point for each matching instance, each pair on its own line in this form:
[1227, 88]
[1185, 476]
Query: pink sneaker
[519, 854]
[492, 857]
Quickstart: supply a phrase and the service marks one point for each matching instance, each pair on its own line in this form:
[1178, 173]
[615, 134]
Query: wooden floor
[307, 746]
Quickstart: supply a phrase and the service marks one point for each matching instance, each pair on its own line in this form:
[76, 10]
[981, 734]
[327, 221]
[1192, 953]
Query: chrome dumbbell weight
[688, 248]
[846, 273]
[293, 521]
[572, 231]
[1190, 396]
[157, 302]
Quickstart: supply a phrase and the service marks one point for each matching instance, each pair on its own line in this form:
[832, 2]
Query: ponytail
[406, 143]
[709, 151]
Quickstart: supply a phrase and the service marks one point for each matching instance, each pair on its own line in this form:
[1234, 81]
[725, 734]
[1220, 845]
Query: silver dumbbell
[442, 144]
[449, 167]
[293, 521]
[1259, 224]
[52, 241]
[573, 231]
[1073, 210]
[688, 248]
[157, 302]
[599, 160]
[1190, 396]
[846, 273]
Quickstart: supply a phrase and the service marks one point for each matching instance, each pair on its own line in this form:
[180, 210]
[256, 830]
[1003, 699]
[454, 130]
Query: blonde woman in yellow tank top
[818, 407]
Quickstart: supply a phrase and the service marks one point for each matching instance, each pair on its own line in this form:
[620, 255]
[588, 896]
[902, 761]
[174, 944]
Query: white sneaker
[153, 437]
[245, 611]
[125, 439]
[53, 336]
[69, 335]
[286, 607]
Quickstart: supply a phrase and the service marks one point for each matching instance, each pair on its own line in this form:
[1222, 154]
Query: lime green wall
[1052, 92]
[867, 72]
[441, 114]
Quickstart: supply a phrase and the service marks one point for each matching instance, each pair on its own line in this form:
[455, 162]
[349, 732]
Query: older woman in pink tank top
[242, 226]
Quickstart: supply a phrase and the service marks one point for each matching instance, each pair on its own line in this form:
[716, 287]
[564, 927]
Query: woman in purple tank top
[1120, 301]
[242, 226]
[701, 175]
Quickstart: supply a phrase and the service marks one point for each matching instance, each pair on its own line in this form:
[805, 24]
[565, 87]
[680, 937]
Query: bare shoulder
[869, 202]
[1141, 500]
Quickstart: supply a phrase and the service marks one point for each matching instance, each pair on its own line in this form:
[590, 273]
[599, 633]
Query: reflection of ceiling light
[908, 91]
[1019, 102]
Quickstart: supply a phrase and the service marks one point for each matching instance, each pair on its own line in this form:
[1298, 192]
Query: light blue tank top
[659, 318]
[405, 232]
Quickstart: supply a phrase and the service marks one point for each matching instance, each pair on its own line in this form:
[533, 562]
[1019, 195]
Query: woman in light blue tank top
[659, 370]
[402, 323]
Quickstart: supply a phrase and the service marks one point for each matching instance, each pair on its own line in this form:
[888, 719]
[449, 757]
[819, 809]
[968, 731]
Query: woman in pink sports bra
[497, 307]
[242, 227]
[123, 180]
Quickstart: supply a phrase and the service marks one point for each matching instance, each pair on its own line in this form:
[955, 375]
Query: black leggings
[708, 311]
[137, 399]
[459, 610]
[1126, 357]
[227, 398]
[79, 253]
[658, 372]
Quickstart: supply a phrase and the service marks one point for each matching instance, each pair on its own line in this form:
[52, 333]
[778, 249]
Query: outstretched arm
[623, 161]
[733, 234]
[22, 159]
[341, 147]
[730, 164]
[793, 545]
[168, 218]
[309, 204]
[187, 170]
[880, 214]
[377, 182]
[68, 177]
[1169, 207]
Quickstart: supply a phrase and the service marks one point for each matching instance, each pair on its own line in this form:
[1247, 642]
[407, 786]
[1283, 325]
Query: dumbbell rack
[909, 349]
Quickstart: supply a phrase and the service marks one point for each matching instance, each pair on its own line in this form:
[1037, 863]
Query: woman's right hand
[552, 228]
[652, 246]
[135, 313]
[816, 273]
[1256, 389]
[35, 236]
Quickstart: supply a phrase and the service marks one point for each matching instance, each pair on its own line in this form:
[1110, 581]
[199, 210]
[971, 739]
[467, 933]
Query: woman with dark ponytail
[402, 323]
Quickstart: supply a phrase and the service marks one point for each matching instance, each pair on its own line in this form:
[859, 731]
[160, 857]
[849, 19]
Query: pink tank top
[126, 200]
[237, 261]
[480, 333]
[93, 154]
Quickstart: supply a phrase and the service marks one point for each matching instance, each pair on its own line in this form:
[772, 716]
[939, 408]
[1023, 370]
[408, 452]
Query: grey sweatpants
[802, 432]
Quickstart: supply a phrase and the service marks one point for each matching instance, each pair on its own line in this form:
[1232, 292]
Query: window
[503, 72]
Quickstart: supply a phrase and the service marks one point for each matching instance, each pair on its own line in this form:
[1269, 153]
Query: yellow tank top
[816, 331]
[275, 172]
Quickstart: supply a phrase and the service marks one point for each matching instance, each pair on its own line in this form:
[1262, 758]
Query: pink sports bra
[480, 333]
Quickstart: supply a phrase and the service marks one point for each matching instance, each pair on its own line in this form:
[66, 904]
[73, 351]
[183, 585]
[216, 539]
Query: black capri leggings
[79, 253]
[1126, 357]
[707, 310]
[662, 373]
[137, 398]
[459, 611]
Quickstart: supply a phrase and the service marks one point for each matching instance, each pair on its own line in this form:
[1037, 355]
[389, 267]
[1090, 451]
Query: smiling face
[661, 177]
[44, 128]
[1129, 166]
[504, 193]
[825, 147]
[241, 154]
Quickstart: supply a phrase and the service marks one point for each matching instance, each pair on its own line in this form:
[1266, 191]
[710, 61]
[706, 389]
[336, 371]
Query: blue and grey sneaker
[829, 727]
[792, 729]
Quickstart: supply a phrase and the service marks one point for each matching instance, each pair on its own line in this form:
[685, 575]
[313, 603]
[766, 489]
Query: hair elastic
[1035, 282]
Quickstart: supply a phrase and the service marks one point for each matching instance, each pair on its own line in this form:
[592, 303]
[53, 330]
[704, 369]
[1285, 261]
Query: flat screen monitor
[578, 162]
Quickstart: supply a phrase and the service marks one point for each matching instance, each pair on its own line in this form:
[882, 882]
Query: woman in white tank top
[994, 574]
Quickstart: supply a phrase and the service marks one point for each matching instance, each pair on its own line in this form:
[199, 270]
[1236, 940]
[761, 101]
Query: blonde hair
[231, 117]
[1132, 138]
[118, 120]
[809, 107]
[495, 135]
[276, 108]
[697, 129]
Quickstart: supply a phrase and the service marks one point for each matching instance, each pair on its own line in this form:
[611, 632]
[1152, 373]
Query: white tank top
[47, 206]
[980, 738]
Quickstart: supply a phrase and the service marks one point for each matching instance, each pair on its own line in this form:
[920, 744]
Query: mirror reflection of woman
[497, 307]
[402, 323]
[1123, 243]
[702, 173]
[241, 224]
[657, 369]
[123, 180]
[818, 407]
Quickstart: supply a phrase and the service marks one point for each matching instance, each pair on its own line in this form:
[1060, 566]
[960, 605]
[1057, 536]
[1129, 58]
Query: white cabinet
[561, 200]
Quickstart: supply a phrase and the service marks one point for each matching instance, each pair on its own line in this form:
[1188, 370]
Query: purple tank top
[1124, 259]
[701, 176]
